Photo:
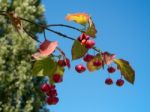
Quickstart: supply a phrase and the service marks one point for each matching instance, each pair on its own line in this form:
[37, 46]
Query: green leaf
[60, 70]
[91, 30]
[78, 50]
[45, 67]
[90, 65]
[126, 70]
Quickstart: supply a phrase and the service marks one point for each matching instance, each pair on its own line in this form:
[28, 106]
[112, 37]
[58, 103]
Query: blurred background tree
[19, 90]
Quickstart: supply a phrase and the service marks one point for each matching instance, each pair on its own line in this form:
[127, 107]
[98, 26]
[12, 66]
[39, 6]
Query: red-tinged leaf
[47, 47]
[108, 57]
[91, 30]
[44, 67]
[126, 70]
[81, 18]
[90, 64]
[78, 50]
[38, 56]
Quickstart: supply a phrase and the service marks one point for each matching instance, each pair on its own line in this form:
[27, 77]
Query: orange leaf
[81, 18]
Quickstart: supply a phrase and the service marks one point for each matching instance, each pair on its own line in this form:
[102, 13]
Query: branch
[45, 27]
[60, 34]
[63, 25]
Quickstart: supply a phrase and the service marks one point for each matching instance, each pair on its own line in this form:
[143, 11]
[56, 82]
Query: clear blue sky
[123, 28]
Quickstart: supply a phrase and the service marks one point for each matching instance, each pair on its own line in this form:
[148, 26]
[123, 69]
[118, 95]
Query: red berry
[61, 63]
[88, 58]
[67, 62]
[80, 68]
[52, 87]
[97, 63]
[52, 100]
[89, 44]
[111, 69]
[108, 81]
[49, 100]
[52, 93]
[83, 36]
[57, 78]
[55, 100]
[83, 42]
[45, 87]
[120, 82]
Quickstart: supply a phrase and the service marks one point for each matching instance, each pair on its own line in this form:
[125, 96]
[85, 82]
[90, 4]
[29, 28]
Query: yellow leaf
[126, 70]
[90, 65]
[81, 18]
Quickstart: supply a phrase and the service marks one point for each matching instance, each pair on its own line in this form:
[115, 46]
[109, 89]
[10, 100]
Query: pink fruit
[83, 36]
[97, 63]
[88, 58]
[89, 44]
[45, 87]
[80, 68]
[111, 69]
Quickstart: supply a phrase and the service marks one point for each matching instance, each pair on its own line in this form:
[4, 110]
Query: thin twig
[63, 54]
[53, 31]
[60, 34]
[31, 35]
[98, 50]
[45, 35]
[63, 25]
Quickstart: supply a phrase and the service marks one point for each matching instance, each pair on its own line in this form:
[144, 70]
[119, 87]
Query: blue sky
[124, 29]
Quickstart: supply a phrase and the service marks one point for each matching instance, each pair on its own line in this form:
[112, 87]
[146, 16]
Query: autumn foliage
[47, 63]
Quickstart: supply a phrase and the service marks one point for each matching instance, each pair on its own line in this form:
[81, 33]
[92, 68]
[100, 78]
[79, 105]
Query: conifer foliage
[19, 90]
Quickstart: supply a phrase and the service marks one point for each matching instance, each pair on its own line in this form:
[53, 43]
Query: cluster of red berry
[64, 62]
[109, 81]
[80, 68]
[85, 40]
[51, 93]
[49, 89]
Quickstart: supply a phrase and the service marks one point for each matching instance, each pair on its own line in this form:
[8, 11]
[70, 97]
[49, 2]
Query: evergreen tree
[19, 90]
